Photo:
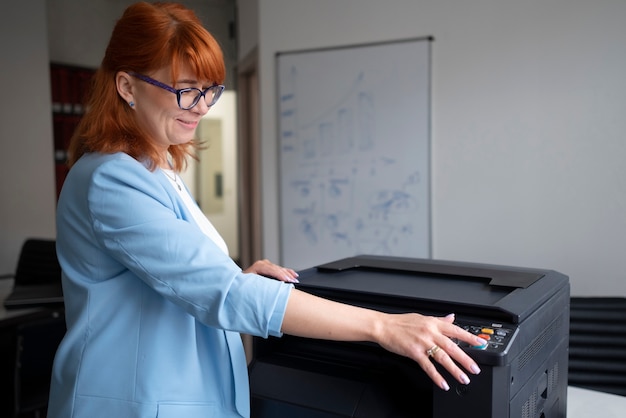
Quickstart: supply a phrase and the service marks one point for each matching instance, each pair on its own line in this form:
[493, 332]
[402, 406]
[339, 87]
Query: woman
[154, 305]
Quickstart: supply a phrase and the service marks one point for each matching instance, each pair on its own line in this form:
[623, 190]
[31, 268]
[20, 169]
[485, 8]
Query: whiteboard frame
[426, 241]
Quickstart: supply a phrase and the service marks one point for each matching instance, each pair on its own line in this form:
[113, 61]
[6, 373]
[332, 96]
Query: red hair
[148, 37]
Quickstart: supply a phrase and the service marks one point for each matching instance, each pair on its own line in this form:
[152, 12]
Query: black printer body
[524, 313]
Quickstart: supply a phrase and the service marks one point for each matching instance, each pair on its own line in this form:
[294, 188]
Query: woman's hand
[269, 269]
[421, 337]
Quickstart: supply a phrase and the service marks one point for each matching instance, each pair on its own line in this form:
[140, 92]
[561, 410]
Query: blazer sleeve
[139, 223]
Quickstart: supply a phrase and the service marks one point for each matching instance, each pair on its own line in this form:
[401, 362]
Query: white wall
[247, 26]
[27, 183]
[528, 126]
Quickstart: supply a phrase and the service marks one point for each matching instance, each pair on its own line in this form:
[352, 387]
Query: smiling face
[157, 109]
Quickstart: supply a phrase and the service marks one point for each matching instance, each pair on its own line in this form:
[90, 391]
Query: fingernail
[444, 386]
[464, 379]
[475, 369]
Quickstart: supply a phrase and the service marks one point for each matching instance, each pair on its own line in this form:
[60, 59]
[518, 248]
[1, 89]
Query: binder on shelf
[69, 87]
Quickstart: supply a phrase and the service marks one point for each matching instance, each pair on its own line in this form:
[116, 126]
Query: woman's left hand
[269, 269]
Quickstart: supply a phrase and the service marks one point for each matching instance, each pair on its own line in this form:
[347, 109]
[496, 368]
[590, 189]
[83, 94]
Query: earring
[131, 103]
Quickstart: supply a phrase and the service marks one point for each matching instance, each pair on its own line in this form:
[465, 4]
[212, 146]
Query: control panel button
[497, 337]
[482, 346]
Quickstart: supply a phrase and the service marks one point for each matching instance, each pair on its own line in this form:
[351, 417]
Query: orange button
[484, 337]
[487, 331]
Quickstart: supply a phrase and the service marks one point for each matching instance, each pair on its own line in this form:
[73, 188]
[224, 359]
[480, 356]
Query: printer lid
[501, 293]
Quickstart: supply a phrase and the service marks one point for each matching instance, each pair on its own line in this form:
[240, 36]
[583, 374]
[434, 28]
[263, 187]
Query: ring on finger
[433, 350]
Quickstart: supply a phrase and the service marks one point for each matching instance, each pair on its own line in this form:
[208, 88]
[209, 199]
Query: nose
[201, 107]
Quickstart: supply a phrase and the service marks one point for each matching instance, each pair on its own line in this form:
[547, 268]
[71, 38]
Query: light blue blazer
[153, 307]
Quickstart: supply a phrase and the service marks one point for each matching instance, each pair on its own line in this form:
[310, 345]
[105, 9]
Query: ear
[125, 84]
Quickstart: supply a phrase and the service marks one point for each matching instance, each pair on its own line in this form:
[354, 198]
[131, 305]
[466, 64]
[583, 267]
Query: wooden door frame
[248, 150]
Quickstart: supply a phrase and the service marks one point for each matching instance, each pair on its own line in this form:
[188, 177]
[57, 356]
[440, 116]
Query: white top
[205, 225]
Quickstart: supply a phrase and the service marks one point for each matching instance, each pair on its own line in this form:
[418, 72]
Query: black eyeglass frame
[216, 88]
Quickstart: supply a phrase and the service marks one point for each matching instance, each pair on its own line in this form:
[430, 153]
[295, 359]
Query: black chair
[37, 279]
[38, 263]
[597, 349]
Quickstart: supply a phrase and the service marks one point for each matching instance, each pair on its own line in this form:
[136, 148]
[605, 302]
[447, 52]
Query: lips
[188, 123]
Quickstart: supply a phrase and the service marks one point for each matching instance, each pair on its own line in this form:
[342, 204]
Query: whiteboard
[354, 152]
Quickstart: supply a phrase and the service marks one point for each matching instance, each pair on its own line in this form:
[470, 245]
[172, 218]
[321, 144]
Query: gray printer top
[507, 293]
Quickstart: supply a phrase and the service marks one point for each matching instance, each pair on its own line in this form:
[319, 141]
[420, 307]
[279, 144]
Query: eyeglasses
[187, 97]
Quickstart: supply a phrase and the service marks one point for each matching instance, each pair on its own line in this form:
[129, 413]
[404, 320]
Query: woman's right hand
[421, 337]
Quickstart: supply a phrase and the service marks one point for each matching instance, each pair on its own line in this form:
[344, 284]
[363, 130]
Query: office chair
[37, 280]
[597, 349]
[38, 263]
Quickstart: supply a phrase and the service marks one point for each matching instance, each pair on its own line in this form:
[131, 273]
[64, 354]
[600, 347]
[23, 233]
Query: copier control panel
[499, 337]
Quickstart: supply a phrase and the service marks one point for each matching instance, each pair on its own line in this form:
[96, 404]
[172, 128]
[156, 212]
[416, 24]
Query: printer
[523, 311]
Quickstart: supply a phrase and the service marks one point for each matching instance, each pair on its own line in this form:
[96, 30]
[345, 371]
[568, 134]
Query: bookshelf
[69, 86]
